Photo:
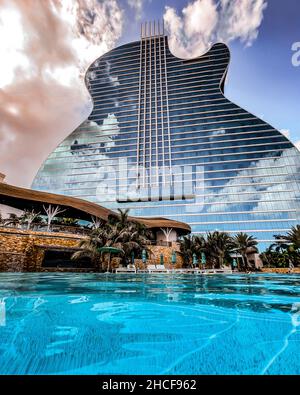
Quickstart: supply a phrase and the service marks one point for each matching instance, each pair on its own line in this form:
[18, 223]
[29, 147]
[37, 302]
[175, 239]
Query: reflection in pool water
[149, 324]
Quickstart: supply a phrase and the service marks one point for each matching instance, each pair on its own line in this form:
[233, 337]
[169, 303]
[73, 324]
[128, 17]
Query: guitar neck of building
[154, 154]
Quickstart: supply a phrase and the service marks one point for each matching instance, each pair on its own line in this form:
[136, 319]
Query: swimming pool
[149, 324]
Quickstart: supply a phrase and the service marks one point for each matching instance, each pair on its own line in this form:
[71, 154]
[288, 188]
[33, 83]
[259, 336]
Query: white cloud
[200, 18]
[194, 29]
[204, 22]
[95, 25]
[137, 6]
[45, 49]
[240, 19]
[10, 48]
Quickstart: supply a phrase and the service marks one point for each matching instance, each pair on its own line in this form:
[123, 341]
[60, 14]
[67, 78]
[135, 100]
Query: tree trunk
[221, 260]
[244, 262]
[247, 262]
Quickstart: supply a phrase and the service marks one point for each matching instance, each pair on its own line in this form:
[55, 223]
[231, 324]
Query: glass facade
[163, 140]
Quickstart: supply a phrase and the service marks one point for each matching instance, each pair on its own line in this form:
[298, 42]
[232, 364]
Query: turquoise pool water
[149, 324]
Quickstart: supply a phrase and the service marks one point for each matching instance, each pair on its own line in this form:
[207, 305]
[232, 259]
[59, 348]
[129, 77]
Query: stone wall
[22, 250]
[156, 252]
[280, 270]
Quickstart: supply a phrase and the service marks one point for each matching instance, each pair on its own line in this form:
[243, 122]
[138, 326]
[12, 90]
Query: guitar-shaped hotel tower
[164, 141]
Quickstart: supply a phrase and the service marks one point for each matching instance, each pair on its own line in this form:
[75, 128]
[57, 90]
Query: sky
[46, 47]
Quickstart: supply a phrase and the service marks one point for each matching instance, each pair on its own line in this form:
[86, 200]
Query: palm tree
[287, 247]
[219, 247]
[119, 219]
[281, 244]
[190, 245]
[244, 244]
[129, 236]
[119, 232]
[186, 249]
[293, 236]
[266, 257]
[200, 245]
[273, 258]
[90, 248]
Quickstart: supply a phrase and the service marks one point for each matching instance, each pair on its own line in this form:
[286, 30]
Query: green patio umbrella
[132, 257]
[195, 259]
[162, 259]
[109, 251]
[173, 257]
[234, 263]
[144, 256]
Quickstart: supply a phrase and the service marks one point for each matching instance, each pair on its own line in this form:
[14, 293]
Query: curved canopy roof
[22, 198]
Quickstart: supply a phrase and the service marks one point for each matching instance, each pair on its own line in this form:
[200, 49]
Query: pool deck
[204, 271]
[183, 271]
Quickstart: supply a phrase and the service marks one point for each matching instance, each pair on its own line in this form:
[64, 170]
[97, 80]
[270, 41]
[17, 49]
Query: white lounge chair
[214, 271]
[157, 269]
[184, 270]
[128, 269]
